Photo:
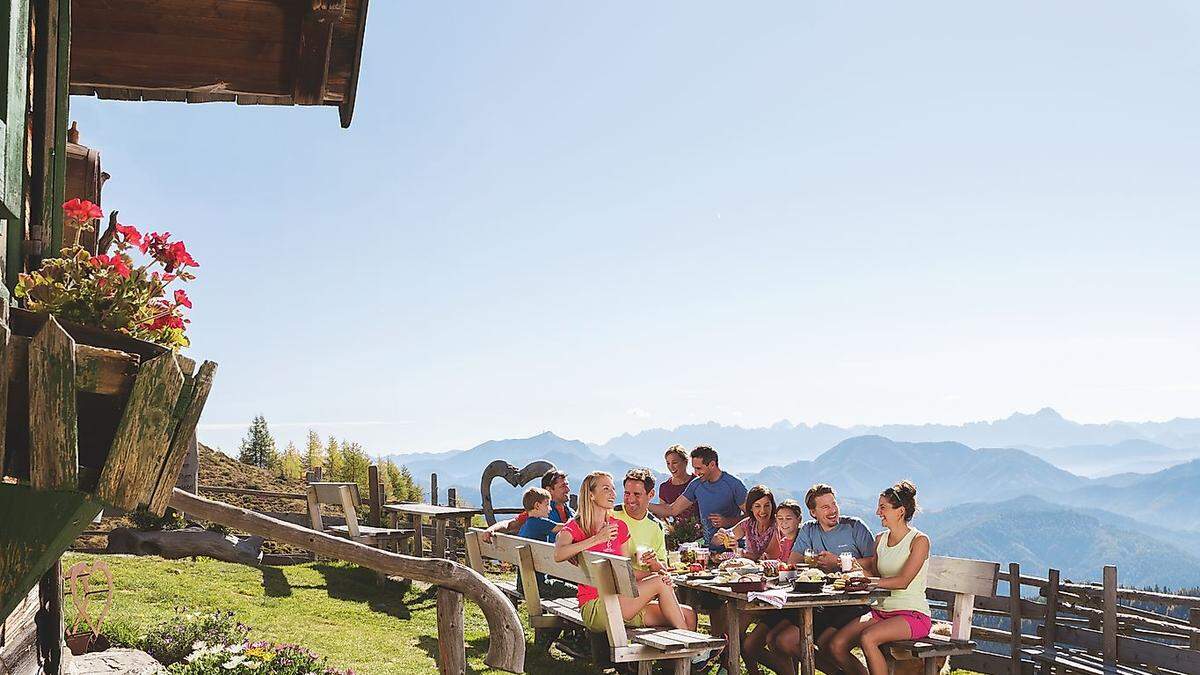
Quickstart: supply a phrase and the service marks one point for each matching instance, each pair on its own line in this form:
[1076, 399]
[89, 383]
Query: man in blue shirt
[828, 535]
[720, 496]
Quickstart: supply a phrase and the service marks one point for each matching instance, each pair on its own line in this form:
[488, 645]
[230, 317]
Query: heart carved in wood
[512, 475]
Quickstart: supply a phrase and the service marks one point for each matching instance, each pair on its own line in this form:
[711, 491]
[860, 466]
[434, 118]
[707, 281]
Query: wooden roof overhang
[252, 52]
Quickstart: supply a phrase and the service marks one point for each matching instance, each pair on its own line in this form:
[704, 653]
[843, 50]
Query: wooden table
[804, 603]
[440, 515]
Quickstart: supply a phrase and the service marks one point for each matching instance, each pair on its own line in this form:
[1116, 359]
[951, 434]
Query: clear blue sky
[599, 218]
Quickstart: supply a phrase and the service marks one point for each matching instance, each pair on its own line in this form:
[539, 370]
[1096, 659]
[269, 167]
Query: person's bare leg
[753, 647]
[821, 654]
[689, 616]
[785, 643]
[845, 640]
[880, 633]
[772, 659]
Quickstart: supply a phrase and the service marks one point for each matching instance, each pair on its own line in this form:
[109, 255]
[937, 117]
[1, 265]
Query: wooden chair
[961, 580]
[346, 496]
[613, 577]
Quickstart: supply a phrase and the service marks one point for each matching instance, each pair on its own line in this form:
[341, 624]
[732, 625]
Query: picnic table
[802, 603]
[440, 515]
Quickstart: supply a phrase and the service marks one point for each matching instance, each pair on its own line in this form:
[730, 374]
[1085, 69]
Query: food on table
[810, 575]
[738, 563]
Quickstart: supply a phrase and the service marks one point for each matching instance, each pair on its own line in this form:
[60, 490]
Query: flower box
[95, 410]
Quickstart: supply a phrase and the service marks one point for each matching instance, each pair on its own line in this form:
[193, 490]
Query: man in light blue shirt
[720, 496]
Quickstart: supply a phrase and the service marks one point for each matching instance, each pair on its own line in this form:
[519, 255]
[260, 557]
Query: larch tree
[335, 461]
[314, 452]
[291, 463]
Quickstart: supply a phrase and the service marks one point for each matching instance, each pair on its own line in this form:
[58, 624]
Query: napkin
[775, 597]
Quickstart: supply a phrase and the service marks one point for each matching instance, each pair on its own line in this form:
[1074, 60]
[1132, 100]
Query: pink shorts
[918, 623]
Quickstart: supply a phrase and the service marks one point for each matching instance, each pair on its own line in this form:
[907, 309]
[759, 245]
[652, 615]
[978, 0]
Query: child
[788, 517]
[538, 526]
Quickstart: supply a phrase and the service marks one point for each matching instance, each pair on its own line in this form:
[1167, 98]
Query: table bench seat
[509, 588]
[372, 532]
[931, 646]
[1077, 661]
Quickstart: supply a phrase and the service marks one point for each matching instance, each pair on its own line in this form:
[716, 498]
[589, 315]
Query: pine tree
[258, 447]
[385, 477]
[395, 481]
[314, 452]
[412, 490]
[335, 461]
[291, 464]
[357, 463]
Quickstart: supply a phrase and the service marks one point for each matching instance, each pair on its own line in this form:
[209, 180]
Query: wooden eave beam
[312, 55]
[346, 107]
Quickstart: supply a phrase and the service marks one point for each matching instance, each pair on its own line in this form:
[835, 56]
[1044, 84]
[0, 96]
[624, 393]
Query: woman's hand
[605, 534]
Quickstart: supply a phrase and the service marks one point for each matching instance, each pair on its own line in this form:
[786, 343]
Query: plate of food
[809, 581]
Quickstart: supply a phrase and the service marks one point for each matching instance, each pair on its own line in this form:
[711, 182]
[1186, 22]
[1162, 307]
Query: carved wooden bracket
[515, 477]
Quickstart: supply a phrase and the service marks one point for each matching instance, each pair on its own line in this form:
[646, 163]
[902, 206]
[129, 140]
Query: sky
[599, 218]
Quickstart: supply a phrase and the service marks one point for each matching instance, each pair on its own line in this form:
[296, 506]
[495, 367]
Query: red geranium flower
[181, 298]
[130, 234]
[116, 262]
[81, 210]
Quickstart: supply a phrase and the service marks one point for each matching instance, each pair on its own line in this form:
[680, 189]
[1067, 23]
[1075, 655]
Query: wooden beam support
[53, 418]
[97, 371]
[182, 436]
[312, 54]
[452, 645]
[1109, 627]
[143, 435]
[1014, 617]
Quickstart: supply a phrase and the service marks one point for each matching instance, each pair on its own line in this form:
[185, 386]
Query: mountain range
[1003, 504]
[1078, 447]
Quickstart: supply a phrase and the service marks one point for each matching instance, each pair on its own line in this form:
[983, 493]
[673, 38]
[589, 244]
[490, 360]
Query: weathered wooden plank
[5, 340]
[1014, 615]
[1110, 614]
[39, 525]
[181, 438]
[143, 435]
[97, 370]
[53, 415]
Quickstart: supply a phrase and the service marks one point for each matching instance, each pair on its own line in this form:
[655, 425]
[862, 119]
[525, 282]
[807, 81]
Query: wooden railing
[1039, 613]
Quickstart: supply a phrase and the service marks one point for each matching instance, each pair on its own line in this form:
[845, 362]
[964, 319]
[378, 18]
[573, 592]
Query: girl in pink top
[594, 529]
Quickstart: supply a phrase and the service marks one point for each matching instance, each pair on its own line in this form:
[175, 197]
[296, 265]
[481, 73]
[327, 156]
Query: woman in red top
[594, 529]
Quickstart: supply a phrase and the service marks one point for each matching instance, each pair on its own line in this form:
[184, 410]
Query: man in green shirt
[647, 538]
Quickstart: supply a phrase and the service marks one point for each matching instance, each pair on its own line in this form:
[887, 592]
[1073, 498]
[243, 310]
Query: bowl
[807, 586]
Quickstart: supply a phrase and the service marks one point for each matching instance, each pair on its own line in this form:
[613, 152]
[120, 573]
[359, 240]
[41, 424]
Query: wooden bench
[1069, 660]
[613, 577]
[962, 579]
[346, 496]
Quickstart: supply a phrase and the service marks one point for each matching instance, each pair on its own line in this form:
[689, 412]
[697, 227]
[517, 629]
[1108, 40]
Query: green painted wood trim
[62, 114]
[39, 526]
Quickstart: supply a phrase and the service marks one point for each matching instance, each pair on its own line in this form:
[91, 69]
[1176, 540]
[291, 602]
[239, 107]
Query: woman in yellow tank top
[901, 563]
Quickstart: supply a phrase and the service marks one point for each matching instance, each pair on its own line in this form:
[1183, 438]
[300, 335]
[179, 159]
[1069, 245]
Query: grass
[336, 609]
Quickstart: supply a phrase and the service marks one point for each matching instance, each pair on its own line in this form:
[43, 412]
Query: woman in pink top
[594, 529]
[758, 527]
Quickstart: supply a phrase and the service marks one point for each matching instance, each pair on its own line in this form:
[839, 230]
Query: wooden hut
[85, 421]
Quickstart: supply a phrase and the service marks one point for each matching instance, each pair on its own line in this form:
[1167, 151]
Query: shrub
[145, 520]
[171, 641]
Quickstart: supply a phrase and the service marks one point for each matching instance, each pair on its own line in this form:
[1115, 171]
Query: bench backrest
[344, 495]
[965, 579]
[612, 575]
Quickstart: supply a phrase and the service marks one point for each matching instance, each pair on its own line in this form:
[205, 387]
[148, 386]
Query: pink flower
[181, 298]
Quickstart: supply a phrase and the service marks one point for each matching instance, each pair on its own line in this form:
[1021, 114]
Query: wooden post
[1194, 619]
[376, 497]
[314, 475]
[433, 489]
[1051, 622]
[1109, 628]
[452, 645]
[438, 547]
[1014, 617]
[451, 496]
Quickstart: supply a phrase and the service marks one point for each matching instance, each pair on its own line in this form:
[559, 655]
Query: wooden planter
[92, 418]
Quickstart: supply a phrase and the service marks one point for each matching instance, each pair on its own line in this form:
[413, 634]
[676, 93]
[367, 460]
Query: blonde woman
[595, 529]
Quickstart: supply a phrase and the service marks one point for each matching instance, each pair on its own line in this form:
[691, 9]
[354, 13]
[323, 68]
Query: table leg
[807, 664]
[394, 519]
[439, 538]
[733, 644]
[418, 546]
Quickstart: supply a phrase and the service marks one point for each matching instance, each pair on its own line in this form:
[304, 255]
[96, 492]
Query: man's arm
[510, 526]
[671, 510]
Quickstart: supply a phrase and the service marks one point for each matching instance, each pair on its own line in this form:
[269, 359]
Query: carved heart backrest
[84, 581]
[513, 476]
